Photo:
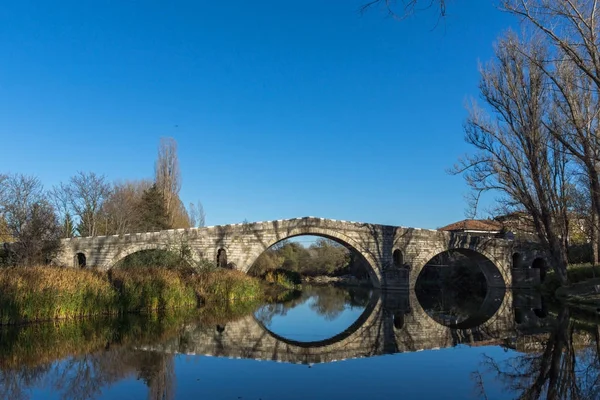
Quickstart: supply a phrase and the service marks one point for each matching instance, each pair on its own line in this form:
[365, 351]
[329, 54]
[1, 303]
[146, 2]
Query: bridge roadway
[393, 322]
[394, 256]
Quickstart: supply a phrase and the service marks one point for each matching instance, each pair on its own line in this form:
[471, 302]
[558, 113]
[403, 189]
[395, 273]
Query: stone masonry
[394, 256]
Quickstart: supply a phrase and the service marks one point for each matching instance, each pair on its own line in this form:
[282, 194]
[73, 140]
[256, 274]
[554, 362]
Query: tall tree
[154, 215]
[68, 226]
[571, 31]
[167, 176]
[517, 155]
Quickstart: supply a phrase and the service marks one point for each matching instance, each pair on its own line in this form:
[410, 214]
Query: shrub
[580, 254]
[225, 285]
[287, 279]
[575, 272]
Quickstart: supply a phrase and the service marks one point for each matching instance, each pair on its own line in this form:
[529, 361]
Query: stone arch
[373, 267]
[115, 258]
[221, 257]
[517, 259]
[398, 258]
[488, 264]
[398, 320]
[80, 260]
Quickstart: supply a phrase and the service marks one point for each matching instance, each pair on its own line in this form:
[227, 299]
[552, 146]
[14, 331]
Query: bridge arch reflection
[360, 322]
[393, 322]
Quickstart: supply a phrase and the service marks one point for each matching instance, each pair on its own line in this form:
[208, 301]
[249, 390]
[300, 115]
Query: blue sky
[280, 109]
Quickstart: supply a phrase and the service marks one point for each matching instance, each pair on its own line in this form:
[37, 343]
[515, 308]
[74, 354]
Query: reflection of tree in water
[326, 301]
[158, 373]
[565, 366]
[14, 383]
[84, 377]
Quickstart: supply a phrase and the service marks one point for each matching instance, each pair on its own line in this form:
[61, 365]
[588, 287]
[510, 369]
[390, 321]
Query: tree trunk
[594, 232]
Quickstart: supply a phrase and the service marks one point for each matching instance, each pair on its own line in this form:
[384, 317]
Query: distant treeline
[324, 257]
[34, 219]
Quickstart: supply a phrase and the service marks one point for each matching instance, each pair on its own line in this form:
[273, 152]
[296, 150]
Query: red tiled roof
[473, 225]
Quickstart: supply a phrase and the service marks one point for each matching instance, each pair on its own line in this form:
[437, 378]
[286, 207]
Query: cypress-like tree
[154, 215]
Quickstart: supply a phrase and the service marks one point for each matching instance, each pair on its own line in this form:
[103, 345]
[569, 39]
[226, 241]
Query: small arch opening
[540, 263]
[398, 258]
[518, 315]
[81, 261]
[516, 260]
[398, 320]
[222, 258]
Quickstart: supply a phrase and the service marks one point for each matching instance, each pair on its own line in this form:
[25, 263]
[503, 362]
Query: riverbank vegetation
[30, 294]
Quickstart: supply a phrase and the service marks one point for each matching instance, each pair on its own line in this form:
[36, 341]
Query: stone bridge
[393, 322]
[394, 256]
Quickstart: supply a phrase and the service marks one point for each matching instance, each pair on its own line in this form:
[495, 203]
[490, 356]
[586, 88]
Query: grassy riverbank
[44, 293]
[583, 290]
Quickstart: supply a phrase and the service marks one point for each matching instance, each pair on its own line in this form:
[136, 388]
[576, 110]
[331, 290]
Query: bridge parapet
[394, 255]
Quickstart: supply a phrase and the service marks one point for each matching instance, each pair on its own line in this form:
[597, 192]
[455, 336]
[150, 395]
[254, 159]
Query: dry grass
[151, 289]
[225, 286]
[42, 293]
[47, 293]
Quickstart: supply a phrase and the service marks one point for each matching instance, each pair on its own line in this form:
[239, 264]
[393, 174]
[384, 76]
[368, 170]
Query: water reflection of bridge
[391, 323]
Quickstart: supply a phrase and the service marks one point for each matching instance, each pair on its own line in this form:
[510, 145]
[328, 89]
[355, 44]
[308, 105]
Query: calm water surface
[324, 343]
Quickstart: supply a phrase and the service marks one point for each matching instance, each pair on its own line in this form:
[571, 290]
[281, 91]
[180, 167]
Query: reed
[39, 293]
[35, 294]
[225, 286]
[152, 289]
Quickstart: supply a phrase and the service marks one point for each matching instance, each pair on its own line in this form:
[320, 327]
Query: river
[322, 343]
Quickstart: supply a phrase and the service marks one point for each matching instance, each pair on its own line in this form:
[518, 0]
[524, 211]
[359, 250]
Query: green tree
[68, 226]
[154, 215]
[327, 257]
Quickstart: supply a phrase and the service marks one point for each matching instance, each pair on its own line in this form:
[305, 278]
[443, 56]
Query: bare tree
[30, 220]
[84, 196]
[571, 31]
[167, 175]
[517, 155]
[197, 215]
[122, 209]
